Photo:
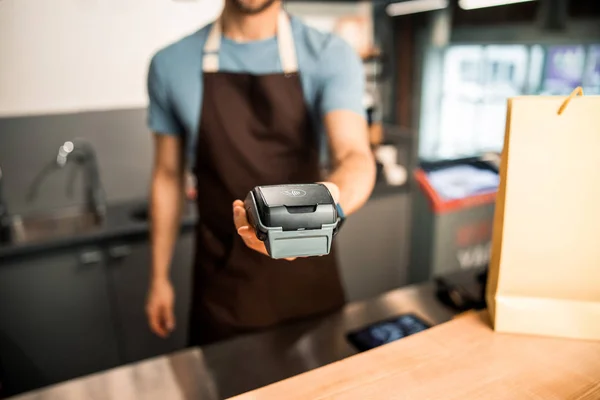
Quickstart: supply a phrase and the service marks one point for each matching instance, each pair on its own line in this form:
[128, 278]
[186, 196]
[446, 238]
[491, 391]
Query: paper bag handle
[577, 92]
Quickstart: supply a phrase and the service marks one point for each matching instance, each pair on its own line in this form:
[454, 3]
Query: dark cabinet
[55, 319]
[128, 267]
[78, 311]
[373, 247]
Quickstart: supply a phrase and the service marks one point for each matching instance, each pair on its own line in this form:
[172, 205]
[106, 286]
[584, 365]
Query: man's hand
[247, 232]
[159, 308]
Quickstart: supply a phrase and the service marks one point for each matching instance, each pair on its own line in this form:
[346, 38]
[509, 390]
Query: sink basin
[140, 214]
[32, 228]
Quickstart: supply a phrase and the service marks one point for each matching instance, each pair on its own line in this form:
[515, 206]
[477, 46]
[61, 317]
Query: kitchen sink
[64, 223]
[140, 214]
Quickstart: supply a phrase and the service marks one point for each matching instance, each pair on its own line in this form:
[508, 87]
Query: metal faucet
[82, 153]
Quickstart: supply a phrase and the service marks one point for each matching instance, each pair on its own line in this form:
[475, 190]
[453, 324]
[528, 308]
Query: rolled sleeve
[161, 118]
[342, 79]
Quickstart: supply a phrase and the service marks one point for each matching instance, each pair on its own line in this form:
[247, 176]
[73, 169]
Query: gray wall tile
[120, 137]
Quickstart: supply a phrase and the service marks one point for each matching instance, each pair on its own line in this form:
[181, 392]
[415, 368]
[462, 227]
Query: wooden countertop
[460, 360]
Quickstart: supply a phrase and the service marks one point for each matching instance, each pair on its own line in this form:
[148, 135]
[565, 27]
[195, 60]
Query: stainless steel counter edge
[120, 223]
[249, 362]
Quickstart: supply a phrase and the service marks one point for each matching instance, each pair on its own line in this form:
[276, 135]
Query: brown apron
[254, 130]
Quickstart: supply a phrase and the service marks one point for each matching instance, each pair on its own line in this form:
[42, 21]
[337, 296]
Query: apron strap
[210, 60]
[285, 42]
[287, 48]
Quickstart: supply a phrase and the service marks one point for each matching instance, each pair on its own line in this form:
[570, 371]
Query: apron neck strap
[285, 42]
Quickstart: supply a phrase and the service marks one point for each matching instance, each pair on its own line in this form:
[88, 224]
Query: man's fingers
[169, 319]
[249, 237]
[246, 233]
[155, 325]
[239, 215]
[161, 320]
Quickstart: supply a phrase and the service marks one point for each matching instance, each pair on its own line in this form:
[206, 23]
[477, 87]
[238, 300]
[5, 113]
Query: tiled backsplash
[120, 138]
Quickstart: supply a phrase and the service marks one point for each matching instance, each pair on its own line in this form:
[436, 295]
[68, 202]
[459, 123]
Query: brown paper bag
[544, 276]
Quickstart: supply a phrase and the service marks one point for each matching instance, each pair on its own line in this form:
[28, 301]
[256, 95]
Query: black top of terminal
[295, 207]
[295, 195]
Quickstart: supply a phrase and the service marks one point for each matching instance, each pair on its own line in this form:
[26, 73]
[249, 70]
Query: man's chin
[252, 7]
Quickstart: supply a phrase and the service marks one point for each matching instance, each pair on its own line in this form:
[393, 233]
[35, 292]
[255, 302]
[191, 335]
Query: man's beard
[246, 8]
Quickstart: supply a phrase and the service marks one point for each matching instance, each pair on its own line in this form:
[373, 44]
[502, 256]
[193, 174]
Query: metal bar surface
[249, 362]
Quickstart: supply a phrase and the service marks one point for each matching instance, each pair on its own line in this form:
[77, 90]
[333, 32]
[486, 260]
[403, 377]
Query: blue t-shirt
[330, 70]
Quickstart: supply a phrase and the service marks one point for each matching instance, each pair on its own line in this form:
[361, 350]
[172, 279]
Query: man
[244, 101]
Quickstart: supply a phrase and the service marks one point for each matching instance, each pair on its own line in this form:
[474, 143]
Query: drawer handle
[119, 251]
[91, 257]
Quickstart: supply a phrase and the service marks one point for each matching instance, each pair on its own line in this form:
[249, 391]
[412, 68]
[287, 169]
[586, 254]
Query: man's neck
[242, 27]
